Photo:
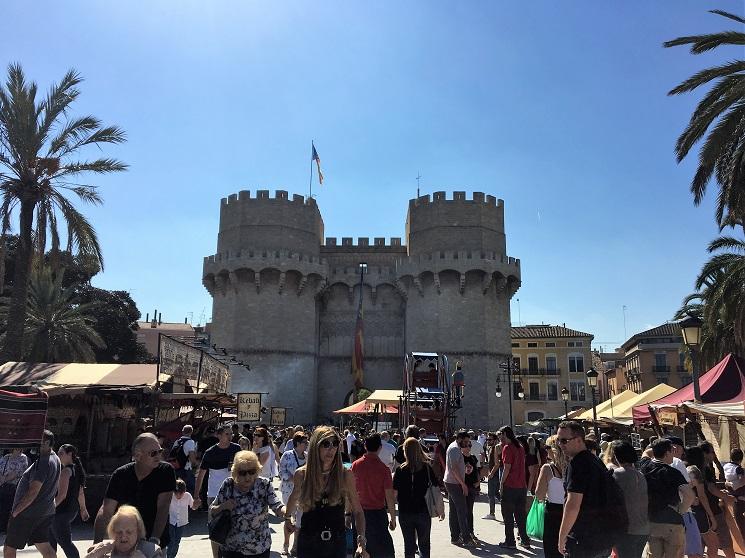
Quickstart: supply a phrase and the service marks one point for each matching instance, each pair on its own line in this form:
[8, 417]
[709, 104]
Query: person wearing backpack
[669, 495]
[594, 517]
[183, 457]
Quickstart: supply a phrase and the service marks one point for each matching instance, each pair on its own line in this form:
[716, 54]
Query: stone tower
[264, 281]
[287, 304]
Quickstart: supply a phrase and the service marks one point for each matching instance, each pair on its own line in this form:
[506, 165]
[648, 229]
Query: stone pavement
[195, 543]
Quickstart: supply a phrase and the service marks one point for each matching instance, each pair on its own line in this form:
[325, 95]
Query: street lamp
[691, 328]
[565, 399]
[499, 391]
[592, 380]
[521, 392]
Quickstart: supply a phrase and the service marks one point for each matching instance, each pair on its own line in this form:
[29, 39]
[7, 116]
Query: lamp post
[507, 367]
[565, 399]
[592, 380]
[691, 328]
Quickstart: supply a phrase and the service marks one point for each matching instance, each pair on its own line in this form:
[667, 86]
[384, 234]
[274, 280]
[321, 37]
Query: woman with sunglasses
[323, 490]
[248, 497]
[264, 449]
[550, 489]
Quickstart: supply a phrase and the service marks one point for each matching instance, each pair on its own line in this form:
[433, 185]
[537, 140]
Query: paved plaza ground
[195, 543]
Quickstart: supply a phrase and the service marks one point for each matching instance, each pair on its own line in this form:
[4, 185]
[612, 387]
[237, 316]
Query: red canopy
[724, 383]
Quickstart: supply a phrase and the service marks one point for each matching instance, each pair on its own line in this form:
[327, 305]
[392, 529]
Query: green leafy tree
[40, 146]
[719, 300]
[721, 112]
[116, 316]
[58, 325]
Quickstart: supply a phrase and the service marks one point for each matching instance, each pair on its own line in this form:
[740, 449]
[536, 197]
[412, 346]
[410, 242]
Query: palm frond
[704, 43]
[728, 15]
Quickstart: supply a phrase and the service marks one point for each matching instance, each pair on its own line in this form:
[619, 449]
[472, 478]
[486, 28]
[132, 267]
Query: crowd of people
[342, 492]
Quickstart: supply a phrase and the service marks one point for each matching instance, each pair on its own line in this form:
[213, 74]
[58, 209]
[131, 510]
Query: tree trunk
[13, 348]
[3, 247]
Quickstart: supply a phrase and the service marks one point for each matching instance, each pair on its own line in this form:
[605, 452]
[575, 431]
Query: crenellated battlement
[458, 198]
[263, 254]
[362, 242]
[463, 255]
[263, 196]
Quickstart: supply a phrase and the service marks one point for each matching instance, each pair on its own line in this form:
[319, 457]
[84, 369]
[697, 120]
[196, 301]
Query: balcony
[541, 371]
[660, 369]
[535, 397]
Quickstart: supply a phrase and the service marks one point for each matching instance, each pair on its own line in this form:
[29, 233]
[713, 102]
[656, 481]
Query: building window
[576, 363]
[532, 345]
[552, 392]
[532, 416]
[660, 359]
[551, 363]
[516, 345]
[550, 344]
[533, 393]
[570, 344]
[515, 388]
[578, 343]
[533, 364]
[577, 391]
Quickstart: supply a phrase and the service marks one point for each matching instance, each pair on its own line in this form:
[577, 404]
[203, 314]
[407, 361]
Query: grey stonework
[287, 304]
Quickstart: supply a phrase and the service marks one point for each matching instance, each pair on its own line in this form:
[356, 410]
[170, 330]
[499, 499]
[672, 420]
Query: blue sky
[559, 108]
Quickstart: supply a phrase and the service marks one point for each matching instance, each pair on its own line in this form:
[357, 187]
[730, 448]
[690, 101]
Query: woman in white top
[550, 488]
[263, 449]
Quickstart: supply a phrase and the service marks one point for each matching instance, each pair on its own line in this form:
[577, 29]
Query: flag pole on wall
[314, 157]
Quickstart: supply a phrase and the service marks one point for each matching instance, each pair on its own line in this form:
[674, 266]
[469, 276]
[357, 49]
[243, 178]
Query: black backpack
[614, 519]
[176, 457]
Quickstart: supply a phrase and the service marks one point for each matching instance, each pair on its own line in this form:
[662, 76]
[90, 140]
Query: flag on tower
[358, 356]
[317, 159]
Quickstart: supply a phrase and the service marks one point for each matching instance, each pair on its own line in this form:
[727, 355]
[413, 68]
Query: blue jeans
[493, 492]
[175, 540]
[457, 512]
[60, 533]
[416, 527]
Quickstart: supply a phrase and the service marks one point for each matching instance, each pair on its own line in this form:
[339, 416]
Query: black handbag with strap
[219, 527]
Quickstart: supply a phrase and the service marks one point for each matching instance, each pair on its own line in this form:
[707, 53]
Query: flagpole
[310, 179]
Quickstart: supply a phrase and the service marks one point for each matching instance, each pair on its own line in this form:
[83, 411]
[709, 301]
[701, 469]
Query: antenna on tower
[418, 176]
[625, 337]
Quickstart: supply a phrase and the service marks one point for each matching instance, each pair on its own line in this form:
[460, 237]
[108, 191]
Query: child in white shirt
[178, 516]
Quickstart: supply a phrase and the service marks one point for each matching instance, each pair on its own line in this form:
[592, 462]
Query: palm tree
[719, 300]
[722, 112]
[39, 165]
[58, 326]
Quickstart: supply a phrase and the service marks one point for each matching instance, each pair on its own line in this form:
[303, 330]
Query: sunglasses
[328, 442]
[247, 472]
[565, 441]
[155, 452]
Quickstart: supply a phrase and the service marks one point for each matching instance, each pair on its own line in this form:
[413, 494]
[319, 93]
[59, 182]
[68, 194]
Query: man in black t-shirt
[147, 483]
[579, 536]
[669, 494]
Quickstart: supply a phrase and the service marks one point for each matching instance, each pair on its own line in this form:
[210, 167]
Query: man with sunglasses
[147, 483]
[584, 531]
[455, 484]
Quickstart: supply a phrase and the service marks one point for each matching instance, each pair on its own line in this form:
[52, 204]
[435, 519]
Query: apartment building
[548, 359]
[654, 357]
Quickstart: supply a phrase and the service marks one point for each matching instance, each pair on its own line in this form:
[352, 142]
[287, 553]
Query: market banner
[215, 374]
[249, 407]
[279, 415]
[23, 418]
[179, 360]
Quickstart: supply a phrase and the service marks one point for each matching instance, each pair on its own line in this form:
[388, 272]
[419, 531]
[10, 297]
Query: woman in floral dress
[248, 497]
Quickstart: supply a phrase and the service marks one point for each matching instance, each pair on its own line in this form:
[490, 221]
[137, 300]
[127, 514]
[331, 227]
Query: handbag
[433, 496]
[536, 515]
[219, 527]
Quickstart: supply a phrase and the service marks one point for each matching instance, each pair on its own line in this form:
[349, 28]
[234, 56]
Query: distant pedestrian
[70, 500]
[178, 516]
[493, 465]
[513, 489]
[410, 484]
[183, 457]
[291, 461]
[264, 450]
[634, 488]
[33, 507]
[375, 489]
[457, 489]
[12, 466]
[550, 489]
[472, 482]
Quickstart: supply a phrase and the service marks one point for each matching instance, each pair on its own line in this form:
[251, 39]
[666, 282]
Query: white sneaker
[489, 516]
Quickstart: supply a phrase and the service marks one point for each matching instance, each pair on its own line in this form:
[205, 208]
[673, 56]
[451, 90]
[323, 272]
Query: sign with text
[249, 407]
[179, 360]
[279, 415]
[215, 374]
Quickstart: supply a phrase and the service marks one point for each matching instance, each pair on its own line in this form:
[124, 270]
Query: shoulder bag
[433, 496]
[219, 526]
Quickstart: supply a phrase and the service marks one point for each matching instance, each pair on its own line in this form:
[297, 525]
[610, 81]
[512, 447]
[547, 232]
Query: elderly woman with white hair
[248, 497]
